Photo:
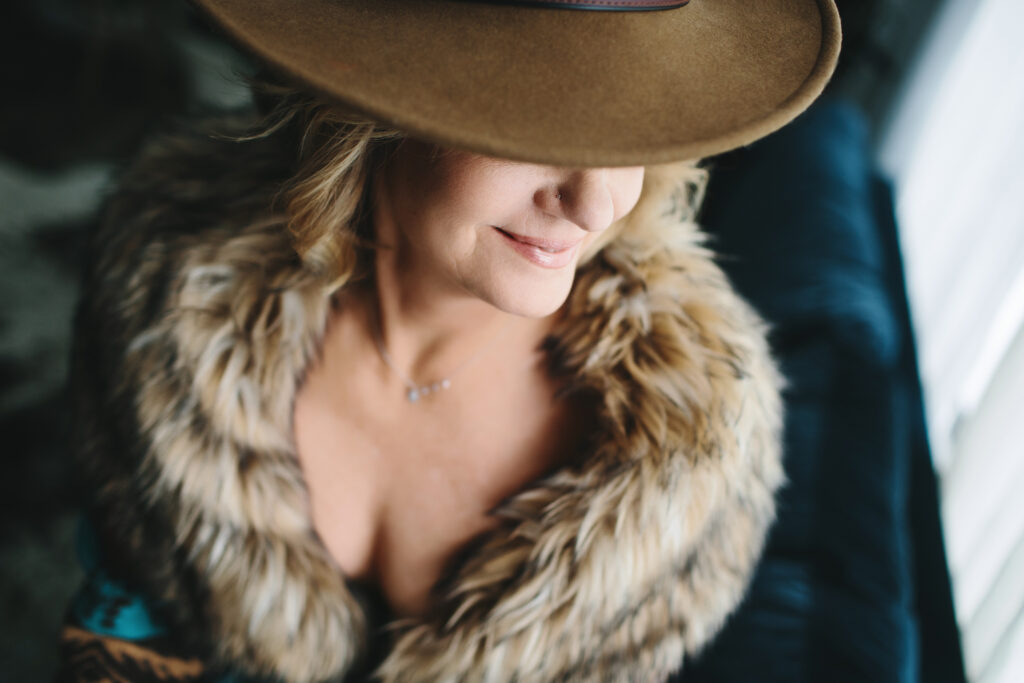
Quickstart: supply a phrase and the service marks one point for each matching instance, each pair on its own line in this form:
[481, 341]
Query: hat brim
[554, 86]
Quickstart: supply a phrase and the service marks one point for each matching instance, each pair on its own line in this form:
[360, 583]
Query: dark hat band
[609, 5]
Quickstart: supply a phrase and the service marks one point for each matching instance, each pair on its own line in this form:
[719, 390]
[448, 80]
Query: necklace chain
[413, 391]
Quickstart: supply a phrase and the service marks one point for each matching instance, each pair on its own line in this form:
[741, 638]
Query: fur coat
[195, 327]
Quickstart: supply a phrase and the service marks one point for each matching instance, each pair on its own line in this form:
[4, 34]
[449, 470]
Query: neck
[430, 327]
[427, 331]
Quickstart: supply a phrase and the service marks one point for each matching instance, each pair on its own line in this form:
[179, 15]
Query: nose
[584, 196]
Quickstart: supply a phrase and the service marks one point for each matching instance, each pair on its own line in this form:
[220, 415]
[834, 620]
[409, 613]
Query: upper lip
[542, 242]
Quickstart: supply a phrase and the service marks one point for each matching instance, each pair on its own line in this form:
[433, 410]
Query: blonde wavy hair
[327, 199]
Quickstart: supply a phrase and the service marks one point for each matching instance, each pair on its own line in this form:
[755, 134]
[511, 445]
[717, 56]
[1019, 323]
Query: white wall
[956, 151]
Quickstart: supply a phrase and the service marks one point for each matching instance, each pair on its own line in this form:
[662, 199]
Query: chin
[533, 300]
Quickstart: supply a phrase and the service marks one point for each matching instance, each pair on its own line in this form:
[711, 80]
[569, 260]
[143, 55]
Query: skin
[414, 482]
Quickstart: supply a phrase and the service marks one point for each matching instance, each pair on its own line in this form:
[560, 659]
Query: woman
[362, 399]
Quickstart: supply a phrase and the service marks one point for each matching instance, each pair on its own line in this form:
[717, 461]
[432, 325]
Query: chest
[395, 493]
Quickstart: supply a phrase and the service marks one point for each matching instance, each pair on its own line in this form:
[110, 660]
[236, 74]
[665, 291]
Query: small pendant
[416, 393]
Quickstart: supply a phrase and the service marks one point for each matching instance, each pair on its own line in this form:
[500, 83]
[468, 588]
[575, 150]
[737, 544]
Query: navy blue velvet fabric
[854, 584]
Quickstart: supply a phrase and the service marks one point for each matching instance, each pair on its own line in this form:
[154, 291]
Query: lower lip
[540, 257]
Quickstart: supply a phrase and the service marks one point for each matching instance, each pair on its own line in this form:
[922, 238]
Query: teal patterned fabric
[105, 606]
[109, 612]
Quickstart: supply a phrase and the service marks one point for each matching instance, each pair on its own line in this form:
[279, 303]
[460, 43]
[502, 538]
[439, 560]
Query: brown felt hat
[557, 82]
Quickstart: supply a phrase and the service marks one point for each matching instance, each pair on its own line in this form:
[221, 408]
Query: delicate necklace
[414, 392]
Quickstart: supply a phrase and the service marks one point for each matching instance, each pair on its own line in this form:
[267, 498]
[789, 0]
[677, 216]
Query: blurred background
[940, 85]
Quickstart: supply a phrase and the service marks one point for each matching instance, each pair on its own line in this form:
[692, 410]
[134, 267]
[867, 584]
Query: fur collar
[197, 323]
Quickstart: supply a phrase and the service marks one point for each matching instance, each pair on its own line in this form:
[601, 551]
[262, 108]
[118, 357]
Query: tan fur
[611, 569]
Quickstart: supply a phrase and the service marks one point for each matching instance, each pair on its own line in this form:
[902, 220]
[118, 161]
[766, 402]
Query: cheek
[626, 188]
[471, 190]
[434, 197]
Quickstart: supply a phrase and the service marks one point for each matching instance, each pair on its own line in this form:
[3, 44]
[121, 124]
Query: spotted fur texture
[197, 324]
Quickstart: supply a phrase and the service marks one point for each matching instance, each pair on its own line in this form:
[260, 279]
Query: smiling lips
[542, 252]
